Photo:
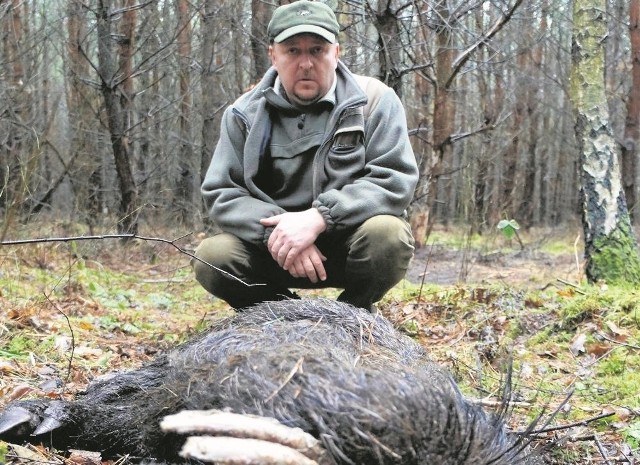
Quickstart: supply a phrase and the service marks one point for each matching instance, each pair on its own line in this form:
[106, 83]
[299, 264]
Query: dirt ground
[529, 268]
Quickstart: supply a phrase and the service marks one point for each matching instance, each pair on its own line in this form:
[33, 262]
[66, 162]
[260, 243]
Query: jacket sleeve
[390, 172]
[232, 201]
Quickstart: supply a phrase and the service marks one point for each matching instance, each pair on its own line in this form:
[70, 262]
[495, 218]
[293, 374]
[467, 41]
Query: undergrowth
[73, 311]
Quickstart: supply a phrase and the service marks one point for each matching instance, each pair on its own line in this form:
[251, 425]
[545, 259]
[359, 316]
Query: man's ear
[270, 51]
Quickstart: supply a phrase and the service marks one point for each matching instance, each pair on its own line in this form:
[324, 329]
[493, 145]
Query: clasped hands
[292, 243]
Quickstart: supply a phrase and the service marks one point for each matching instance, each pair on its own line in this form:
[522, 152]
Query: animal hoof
[17, 422]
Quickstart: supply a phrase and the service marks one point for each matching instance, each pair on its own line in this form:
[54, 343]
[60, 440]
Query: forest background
[109, 110]
[109, 113]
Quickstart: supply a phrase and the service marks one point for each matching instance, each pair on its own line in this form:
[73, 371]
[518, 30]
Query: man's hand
[293, 233]
[309, 264]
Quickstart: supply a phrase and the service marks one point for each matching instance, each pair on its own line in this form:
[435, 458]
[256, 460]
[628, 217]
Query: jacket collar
[347, 94]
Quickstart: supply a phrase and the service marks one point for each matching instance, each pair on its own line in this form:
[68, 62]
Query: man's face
[306, 64]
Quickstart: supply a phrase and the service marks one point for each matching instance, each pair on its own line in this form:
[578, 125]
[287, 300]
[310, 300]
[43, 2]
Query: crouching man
[311, 177]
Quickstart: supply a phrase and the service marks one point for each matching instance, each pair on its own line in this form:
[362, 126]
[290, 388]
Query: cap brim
[305, 29]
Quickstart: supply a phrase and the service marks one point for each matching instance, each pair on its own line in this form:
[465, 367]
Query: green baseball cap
[301, 17]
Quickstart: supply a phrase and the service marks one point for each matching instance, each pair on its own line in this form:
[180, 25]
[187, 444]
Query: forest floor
[72, 310]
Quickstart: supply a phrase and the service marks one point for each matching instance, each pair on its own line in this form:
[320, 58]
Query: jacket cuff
[326, 214]
[267, 234]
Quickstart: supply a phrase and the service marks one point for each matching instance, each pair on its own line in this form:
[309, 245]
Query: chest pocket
[345, 161]
[346, 142]
[350, 135]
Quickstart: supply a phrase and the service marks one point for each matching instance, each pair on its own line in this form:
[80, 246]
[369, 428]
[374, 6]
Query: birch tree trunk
[610, 246]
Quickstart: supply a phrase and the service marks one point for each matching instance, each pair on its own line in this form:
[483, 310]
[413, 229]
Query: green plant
[509, 229]
[632, 434]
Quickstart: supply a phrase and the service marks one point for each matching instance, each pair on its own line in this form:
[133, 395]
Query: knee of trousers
[385, 237]
[222, 252]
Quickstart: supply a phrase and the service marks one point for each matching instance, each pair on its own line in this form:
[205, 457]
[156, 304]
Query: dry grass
[71, 311]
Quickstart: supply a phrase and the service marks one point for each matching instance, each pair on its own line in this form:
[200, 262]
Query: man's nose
[305, 61]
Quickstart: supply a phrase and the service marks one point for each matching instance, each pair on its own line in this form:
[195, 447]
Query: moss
[20, 345]
[632, 434]
[539, 338]
[617, 383]
[614, 365]
[569, 455]
[618, 304]
[614, 258]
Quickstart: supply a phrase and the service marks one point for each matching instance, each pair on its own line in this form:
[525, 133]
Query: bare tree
[185, 190]
[19, 123]
[260, 13]
[448, 66]
[442, 120]
[82, 164]
[484, 84]
[116, 92]
[386, 17]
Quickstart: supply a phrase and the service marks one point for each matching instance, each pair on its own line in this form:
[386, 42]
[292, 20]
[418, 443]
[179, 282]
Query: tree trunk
[208, 87]
[260, 14]
[389, 46]
[13, 181]
[86, 178]
[610, 246]
[116, 120]
[632, 122]
[443, 123]
[512, 178]
[185, 188]
[213, 98]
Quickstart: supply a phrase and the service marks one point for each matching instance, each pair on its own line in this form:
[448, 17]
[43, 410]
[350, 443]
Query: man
[309, 185]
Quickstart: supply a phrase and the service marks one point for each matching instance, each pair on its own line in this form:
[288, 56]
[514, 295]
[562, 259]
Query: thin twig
[575, 252]
[565, 401]
[575, 286]
[73, 339]
[122, 460]
[572, 425]
[128, 236]
[597, 360]
[613, 341]
[601, 449]
[490, 403]
[424, 273]
[460, 61]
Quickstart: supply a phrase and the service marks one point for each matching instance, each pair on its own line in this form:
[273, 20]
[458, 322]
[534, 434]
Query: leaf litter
[67, 319]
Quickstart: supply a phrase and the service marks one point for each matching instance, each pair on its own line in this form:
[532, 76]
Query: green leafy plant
[632, 434]
[509, 229]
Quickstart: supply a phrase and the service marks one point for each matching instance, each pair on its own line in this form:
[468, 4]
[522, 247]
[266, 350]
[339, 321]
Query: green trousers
[365, 262]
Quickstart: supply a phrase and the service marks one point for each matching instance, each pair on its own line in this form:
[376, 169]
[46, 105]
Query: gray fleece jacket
[360, 168]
